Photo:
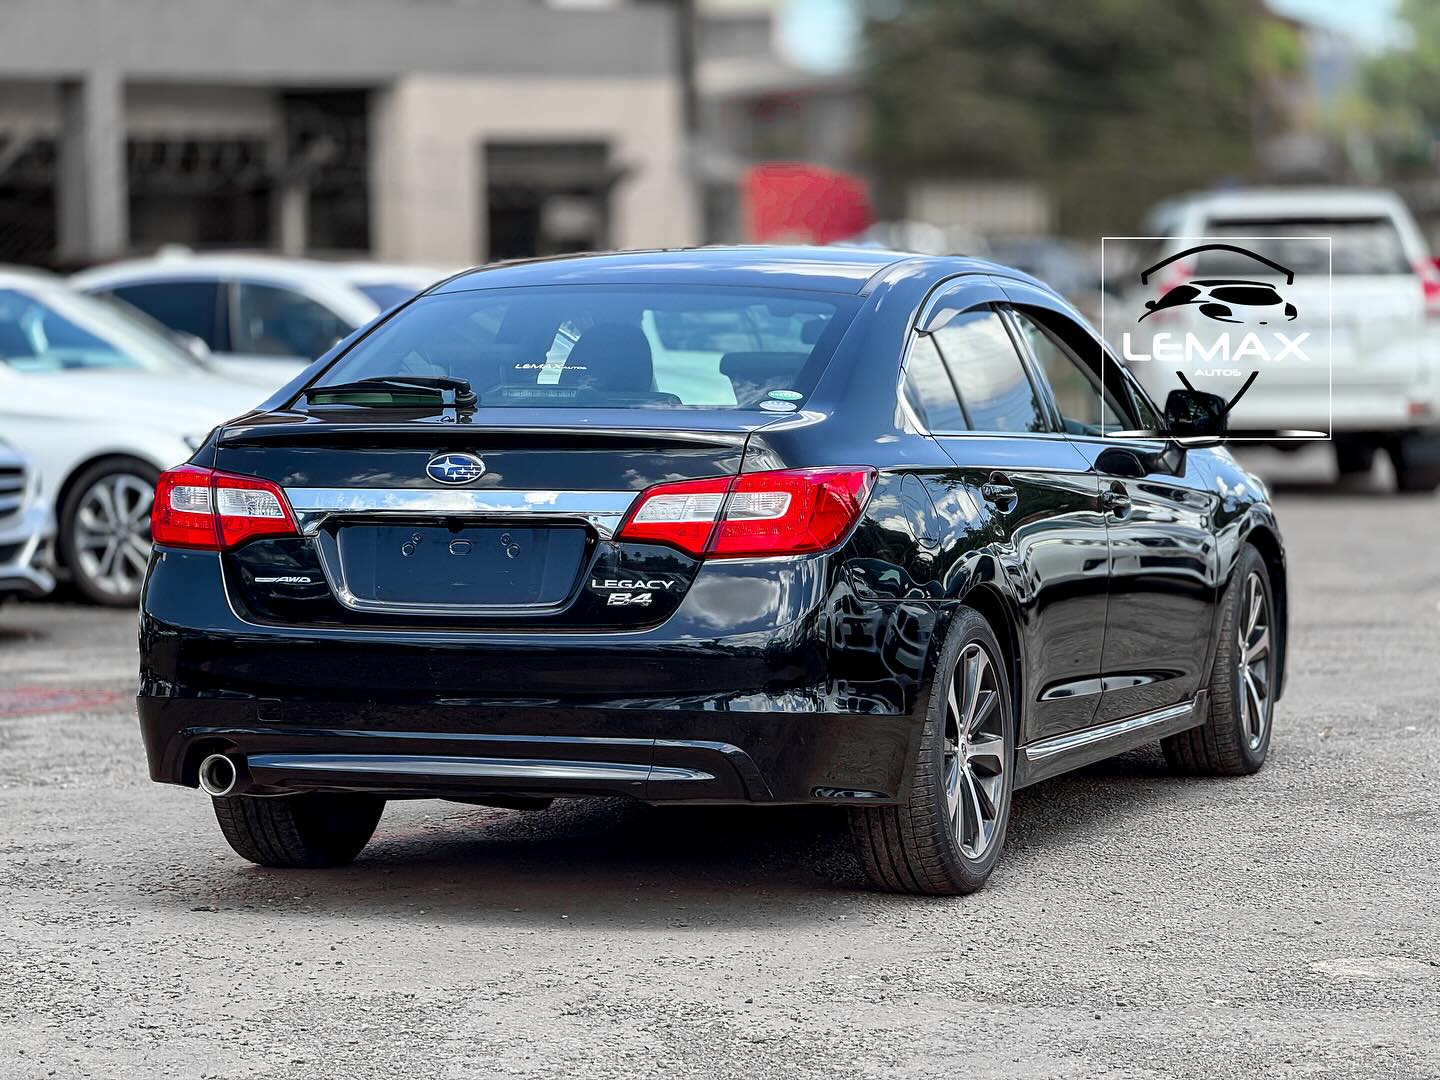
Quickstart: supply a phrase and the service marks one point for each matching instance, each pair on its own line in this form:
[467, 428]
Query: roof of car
[266, 267]
[817, 269]
[26, 275]
[1290, 202]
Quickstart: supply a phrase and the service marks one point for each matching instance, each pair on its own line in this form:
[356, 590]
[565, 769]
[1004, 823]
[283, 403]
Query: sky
[1370, 21]
[820, 34]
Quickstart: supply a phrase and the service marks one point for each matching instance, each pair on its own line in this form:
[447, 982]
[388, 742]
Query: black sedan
[732, 525]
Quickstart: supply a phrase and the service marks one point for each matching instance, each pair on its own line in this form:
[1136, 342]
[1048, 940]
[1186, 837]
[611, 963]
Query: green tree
[1110, 103]
[1397, 106]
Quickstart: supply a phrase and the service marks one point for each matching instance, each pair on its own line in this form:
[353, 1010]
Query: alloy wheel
[112, 533]
[976, 752]
[1254, 642]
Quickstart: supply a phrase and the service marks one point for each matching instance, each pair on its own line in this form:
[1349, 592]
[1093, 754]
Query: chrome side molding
[1061, 753]
[602, 510]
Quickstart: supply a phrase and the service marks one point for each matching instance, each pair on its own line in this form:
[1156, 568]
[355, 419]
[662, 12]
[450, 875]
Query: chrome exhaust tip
[219, 776]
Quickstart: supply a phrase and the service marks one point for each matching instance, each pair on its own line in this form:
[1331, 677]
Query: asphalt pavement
[1140, 926]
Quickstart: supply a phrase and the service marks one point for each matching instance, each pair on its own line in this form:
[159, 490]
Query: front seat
[611, 356]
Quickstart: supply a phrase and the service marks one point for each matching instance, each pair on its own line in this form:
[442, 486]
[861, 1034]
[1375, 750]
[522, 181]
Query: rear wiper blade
[398, 390]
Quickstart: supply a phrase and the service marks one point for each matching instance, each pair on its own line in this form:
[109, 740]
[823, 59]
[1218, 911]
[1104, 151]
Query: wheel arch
[84, 465]
[997, 610]
[1264, 539]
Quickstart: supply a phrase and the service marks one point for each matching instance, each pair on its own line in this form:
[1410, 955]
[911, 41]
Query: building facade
[435, 131]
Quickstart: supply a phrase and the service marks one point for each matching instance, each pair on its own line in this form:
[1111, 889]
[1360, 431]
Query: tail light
[1429, 287]
[216, 511]
[789, 512]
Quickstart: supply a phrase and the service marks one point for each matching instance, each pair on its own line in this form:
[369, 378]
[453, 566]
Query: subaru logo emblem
[455, 468]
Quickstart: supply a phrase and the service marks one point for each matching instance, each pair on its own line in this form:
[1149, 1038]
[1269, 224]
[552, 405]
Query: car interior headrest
[610, 356]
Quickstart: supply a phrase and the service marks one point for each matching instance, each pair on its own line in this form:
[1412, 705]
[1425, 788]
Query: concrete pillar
[387, 198]
[92, 197]
[293, 215]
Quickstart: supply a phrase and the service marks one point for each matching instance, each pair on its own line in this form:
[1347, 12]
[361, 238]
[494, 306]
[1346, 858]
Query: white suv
[257, 312]
[1379, 304]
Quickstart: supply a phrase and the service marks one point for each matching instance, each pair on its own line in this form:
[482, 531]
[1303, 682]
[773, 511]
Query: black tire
[916, 847]
[1354, 457]
[299, 831]
[1226, 744]
[1417, 463]
[83, 579]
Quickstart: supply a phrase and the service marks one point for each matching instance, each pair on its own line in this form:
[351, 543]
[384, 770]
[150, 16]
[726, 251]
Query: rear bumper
[1353, 396]
[821, 704]
[658, 757]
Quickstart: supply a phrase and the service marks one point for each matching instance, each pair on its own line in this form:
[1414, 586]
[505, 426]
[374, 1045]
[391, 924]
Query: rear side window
[1359, 246]
[282, 322]
[929, 389]
[989, 373]
[613, 346]
[187, 306]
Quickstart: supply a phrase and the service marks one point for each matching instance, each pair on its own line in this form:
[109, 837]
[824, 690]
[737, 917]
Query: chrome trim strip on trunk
[602, 510]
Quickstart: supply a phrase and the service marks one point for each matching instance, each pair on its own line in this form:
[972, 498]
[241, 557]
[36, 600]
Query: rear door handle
[1000, 493]
[1116, 499]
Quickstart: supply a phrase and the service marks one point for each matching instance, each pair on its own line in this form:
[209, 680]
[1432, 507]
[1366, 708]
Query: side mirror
[192, 344]
[1191, 414]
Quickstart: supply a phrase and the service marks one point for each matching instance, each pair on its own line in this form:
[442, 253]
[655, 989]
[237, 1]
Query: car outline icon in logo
[1218, 298]
[455, 468]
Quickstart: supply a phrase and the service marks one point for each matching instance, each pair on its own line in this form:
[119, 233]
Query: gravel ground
[1140, 925]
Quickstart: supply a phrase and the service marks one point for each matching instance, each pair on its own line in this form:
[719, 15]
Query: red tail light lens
[216, 511]
[788, 512]
[681, 515]
[1429, 288]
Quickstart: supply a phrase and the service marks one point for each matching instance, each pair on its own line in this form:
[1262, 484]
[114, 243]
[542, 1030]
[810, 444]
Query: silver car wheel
[1254, 653]
[112, 533]
[976, 752]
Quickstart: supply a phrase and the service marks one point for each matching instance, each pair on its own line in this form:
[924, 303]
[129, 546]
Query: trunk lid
[417, 521]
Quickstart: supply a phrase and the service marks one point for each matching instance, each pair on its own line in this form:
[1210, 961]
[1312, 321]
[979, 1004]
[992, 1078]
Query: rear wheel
[104, 537]
[1354, 457]
[1417, 462]
[299, 831]
[947, 837]
[1235, 739]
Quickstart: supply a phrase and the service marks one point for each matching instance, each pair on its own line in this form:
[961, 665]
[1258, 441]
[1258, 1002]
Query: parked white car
[101, 405]
[1377, 302]
[27, 527]
[258, 310]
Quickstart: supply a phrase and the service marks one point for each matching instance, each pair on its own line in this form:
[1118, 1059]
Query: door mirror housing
[1194, 414]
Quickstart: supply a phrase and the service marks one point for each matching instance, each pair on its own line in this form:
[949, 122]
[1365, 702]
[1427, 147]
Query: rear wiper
[396, 390]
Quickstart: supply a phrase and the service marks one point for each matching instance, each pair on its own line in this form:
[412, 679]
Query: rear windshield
[1360, 245]
[612, 346]
[386, 296]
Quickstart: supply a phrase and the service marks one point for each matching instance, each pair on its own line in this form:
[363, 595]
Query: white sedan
[258, 312]
[101, 405]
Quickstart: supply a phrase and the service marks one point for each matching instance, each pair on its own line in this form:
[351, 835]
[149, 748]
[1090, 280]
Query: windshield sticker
[778, 406]
[787, 395]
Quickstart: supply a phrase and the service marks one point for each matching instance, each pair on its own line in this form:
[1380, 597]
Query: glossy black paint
[783, 680]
